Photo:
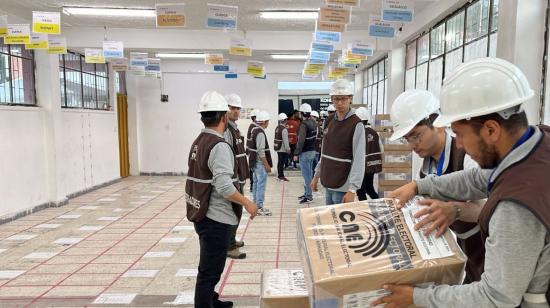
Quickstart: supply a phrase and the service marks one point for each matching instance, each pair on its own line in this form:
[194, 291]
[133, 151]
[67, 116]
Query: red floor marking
[280, 226]
[222, 285]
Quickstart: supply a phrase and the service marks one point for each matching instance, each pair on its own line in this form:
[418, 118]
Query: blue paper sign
[327, 36]
[319, 55]
[138, 62]
[317, 61]
[113, 54]
[322, 47]
[363, 51]
[153, 68]
[221, 68]
[381, 31]
[397, 15]
[231, 76]
[221, 23]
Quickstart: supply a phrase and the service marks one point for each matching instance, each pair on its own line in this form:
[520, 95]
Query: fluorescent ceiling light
[289, 14]
[181, 55]
[289, 57]
[106, 11]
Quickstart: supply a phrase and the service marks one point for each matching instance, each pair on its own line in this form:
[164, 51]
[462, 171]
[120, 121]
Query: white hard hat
[342, 87]
[409, 108]
[331, 108]
[305, 108]
[362, 113]
[282, 116]
[212, 101]
[254, 113]
[234, 100]
[480, 87]
[323, 113]
[262, 116]
[315, 114]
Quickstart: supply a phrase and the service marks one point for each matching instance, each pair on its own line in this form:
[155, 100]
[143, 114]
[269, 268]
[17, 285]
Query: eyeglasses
[416, 138]
[339, 98]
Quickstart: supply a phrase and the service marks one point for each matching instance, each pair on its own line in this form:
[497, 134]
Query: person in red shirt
[292, 125]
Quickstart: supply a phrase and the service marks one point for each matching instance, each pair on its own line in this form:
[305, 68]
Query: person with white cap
[373, 157]
[342, 164]
[305, 150]
[253, 114]
[233, 136]
[482, 100]
[413, 114]
[214, 203]
[282, 146]
[260, 160]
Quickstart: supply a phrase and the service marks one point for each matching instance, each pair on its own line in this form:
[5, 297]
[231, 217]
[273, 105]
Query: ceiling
[196, 11]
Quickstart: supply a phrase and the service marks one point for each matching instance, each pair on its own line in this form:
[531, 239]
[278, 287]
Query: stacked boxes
[284, 288]
[397, 162]
[349, 251]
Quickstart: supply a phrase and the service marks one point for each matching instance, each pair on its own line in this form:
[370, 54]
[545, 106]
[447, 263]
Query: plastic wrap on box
[349, 251]
[397, 159]
[284, 288]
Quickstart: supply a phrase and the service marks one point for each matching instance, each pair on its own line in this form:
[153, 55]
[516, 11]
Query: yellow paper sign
[170, 15]
[213, 59]
[94, 56]
[255, 68]
[46, 22]
[240, 47]
[57, 45]
[18, 34]
[38, 41]
[344, 2]
[311, 71]
[3, 25]
[337, 14]
[315, 66]
[330, 26]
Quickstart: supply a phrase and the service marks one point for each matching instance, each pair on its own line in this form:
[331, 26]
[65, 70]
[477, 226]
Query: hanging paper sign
[231, 76]
[240, 47]
[138, 70]
[92, 55]
[255, 68]
[380, 28]
[221, 68]
[330, 26]
[314, 66]
[222, 16]
[170, 15]
[348, 54]
[325, 56]
[320, 46]
[153, 66]
[397, 10]
[3, 25]
[317, 61]
[311, 72]
[57, 45]
[119, 64]
[38, 41]
[18, 34]
[344, 2]
[113, 49]
[138, 59]
[327, 36]
[361, 48]
[213, 59]
[46, 22]
[337, 14]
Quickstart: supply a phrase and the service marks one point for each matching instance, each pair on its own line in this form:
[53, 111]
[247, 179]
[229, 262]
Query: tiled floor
[129, 244]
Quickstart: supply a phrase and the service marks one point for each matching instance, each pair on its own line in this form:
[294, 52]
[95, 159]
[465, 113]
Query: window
[16, 75]
[83, 85]
[468, 33]
[375, 90]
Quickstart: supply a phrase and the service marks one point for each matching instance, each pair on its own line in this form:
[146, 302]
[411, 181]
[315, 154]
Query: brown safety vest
[278, 141]
[253, 151]
[249, 137]
[198, 185]
[319, 138]
[311, 135]
[337, 155]
[240, 154]
[472, 246]
[524, 184]
[373, 153]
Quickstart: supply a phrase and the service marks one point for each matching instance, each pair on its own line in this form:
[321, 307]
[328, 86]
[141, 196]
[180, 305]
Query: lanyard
[521, 141]
[440, 163]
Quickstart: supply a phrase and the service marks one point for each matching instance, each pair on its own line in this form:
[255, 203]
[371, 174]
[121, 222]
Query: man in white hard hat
[305, 150]
[413, 114]
[282, 146]
[233, 136]
[482, 101]
[253, 124]
[342, 164]
[318, 138]
[260, 160]
[214, 203]
[373, 157]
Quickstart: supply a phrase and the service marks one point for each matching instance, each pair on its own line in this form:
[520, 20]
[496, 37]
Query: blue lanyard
[521, 141]
[440, 163]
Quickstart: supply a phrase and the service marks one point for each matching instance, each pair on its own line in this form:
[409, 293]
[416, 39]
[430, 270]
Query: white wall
[49, 153]
[165, 131]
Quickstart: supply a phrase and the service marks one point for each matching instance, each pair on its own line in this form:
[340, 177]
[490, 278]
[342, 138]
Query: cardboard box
[349, 251]
[383, 191]
[394, 176]
[397, 159]
[380, 117]
[284, 288]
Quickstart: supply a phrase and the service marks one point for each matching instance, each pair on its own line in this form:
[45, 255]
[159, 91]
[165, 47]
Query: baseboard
[11, 217]
[162, 174]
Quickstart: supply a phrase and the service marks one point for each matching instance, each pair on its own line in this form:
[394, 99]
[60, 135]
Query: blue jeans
[306, 164]
[333, 197]
[258, 190]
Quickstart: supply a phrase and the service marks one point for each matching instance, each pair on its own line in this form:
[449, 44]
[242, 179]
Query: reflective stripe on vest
[199, 180]
[377, 153]
[468, 233]
[336, 158]
[240, 155]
